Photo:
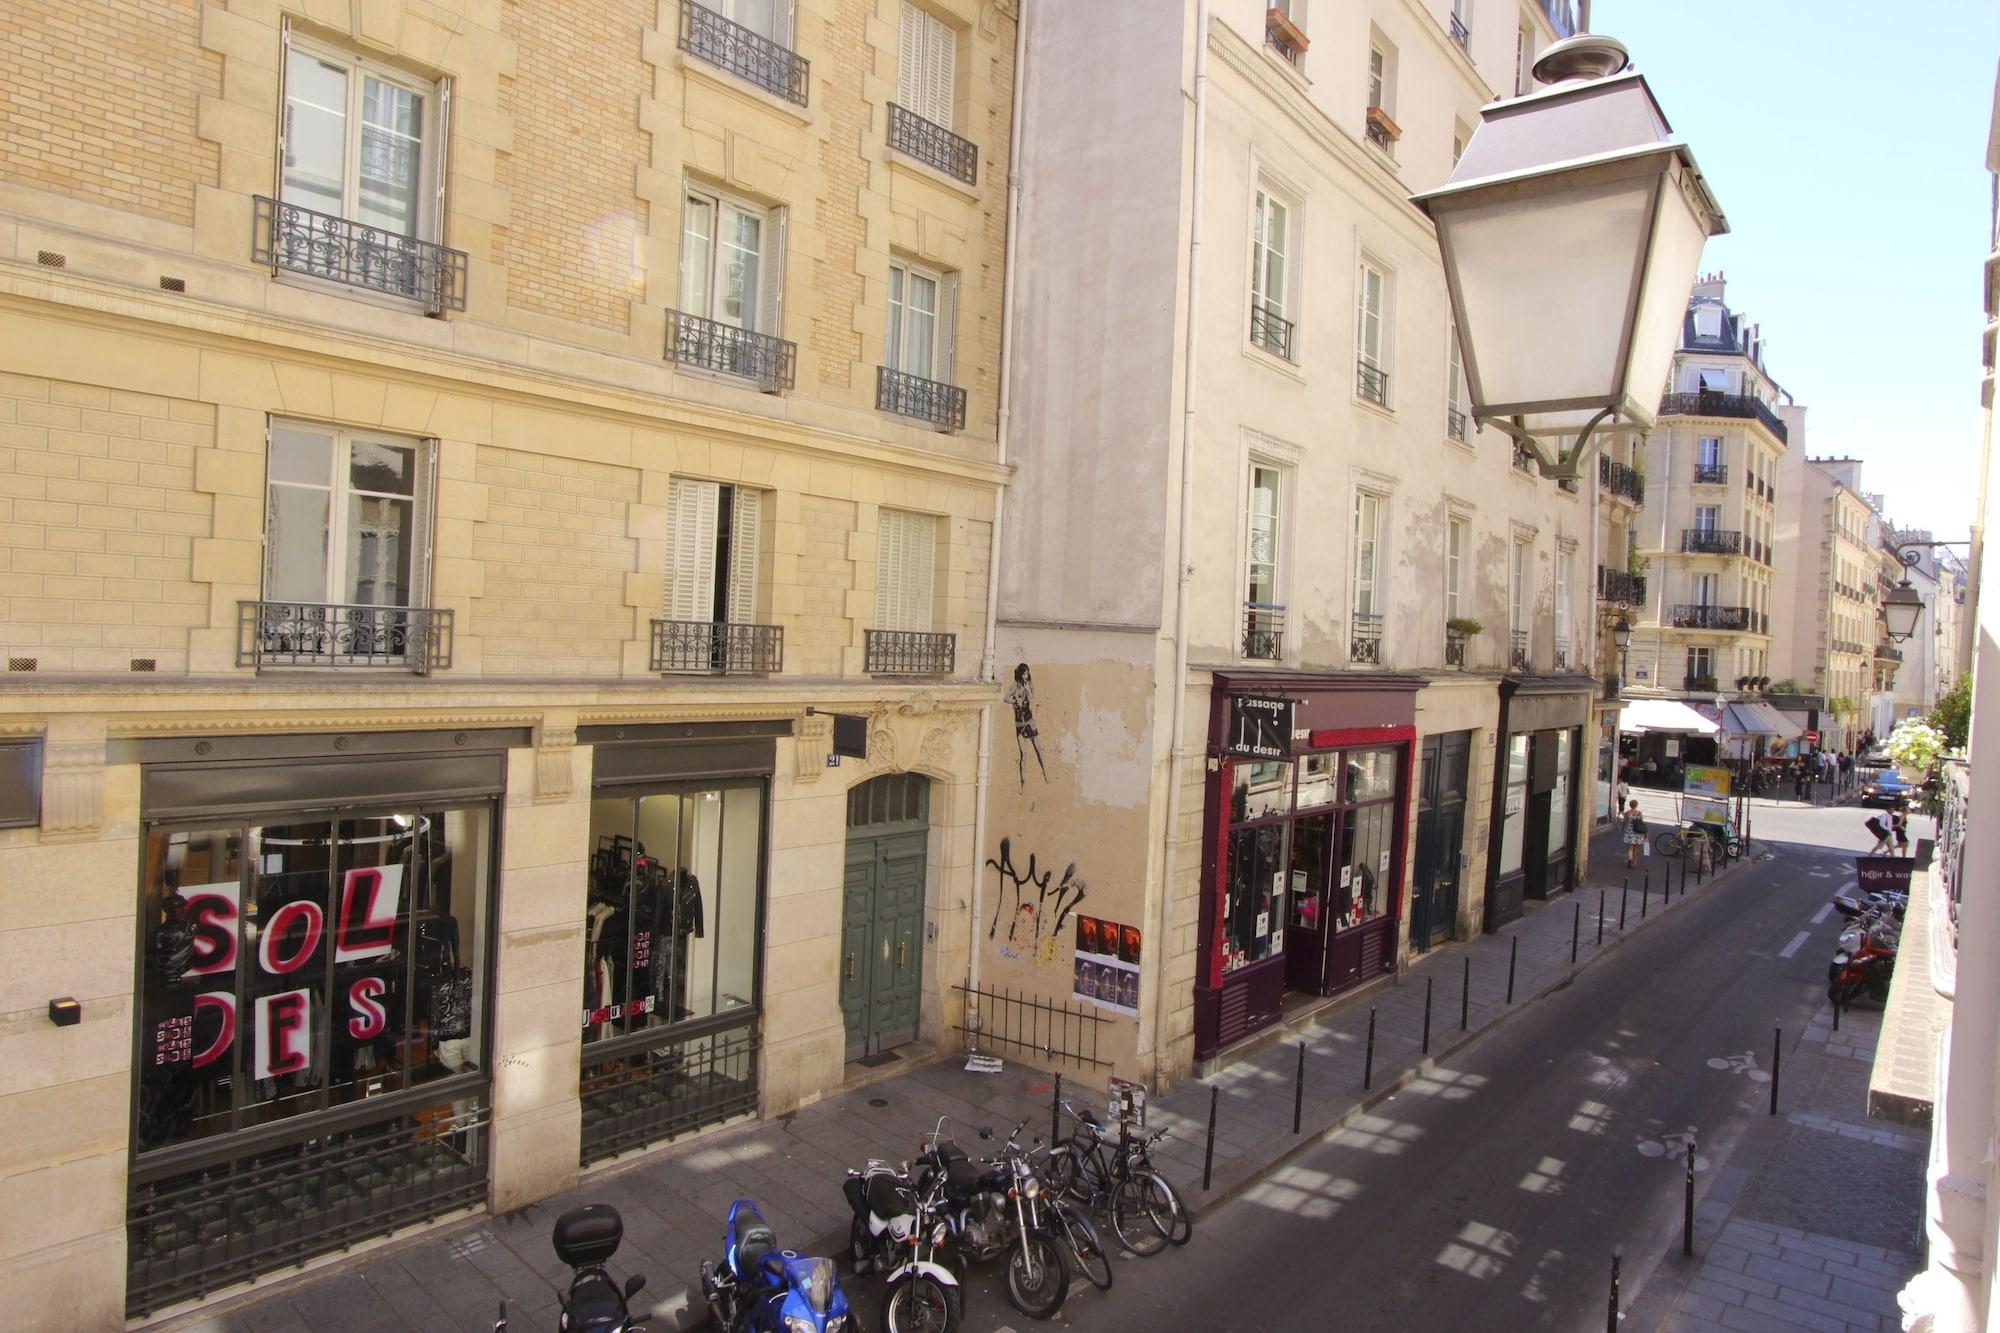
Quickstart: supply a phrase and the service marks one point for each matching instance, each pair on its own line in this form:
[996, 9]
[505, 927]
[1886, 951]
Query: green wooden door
[882, 913]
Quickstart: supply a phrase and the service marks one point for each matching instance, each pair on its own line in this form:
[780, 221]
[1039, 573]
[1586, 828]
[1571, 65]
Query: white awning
[1755, 719]
[1663, 715]
[1787, 730]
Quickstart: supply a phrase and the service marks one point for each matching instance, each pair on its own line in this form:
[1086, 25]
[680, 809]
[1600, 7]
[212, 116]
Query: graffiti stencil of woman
[1021, 697]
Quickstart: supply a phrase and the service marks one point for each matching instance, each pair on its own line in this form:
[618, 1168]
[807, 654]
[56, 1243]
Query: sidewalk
[1817, 1221]
[673, 1200]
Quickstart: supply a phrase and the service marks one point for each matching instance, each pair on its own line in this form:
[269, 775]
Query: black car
[1886, 790]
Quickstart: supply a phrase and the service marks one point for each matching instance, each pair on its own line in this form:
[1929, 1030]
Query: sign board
[1705, 809]
[1259, 728]
[1812, 738]
[1705, 780]
[1876, 874]
[850, 735]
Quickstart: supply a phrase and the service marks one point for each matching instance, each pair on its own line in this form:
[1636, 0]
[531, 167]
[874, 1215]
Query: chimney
[1707, 287]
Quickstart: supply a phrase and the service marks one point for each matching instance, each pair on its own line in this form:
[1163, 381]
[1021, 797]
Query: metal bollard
[1299, 1091]
[1611, 1321]
[1575, 933]
[1465, 994]
[1055, 1112]
[1513, 953]
[1624, 897]
[1777, 1055]
[1427, 1015]
[1687, 1215]
[1368, 1062]
[1600, 918]
[1836, 1011]
[1645, 891]
[1208, 1158]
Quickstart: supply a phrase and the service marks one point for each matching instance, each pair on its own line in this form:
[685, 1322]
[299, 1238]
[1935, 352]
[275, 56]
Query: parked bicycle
[1119, 1183]
[1675, 841]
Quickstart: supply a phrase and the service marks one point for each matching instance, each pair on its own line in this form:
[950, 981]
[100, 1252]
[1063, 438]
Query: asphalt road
[1492, 1195]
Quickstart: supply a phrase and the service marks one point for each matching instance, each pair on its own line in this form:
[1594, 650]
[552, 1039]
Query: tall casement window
[1707, 518]
[346, 550]
[1371, 337]
[1701, 668]
[1518, 603]
[1271, 244]
[905, 570]
[732, 287]
[1457, 397]
[714, 552]
[1565, 558]
[921, 313]
[927, 58]
[1524, 60]
[1263, 604]
[1457, 545]
[1366, 600]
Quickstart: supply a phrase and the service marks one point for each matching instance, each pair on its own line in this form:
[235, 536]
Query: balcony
[1456, 424]
[1847, 646]
[943, 405]
[298, 240]
[1372, 382]
[1710, 541]
[1706, 684]
[1627, 483]
[903, 652]
[1271, 331]
[717, 649]
[1562, 653]
[1517, 650]
[1711, 474]
[708, 36]
[703, 344]
[1683, 615]
[1263, 632]
[1364, 638]
[1460, 33]
[1618, 588]
[1454, 649]
[1711, 404]
[1888, 652]
[340, 635]
[933, 145]
[1284, 36]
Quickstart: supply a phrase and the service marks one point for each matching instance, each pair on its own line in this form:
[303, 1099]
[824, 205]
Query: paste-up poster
[1107, 965]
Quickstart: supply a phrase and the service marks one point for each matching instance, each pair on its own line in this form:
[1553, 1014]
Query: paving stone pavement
[674, 1198]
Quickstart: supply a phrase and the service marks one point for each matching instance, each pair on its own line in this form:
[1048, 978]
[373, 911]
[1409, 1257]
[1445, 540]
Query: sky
[1846, 143]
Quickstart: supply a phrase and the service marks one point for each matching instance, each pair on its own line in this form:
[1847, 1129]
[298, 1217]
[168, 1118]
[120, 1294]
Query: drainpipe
[987, 661]
[1666, 506]
[1186, 574]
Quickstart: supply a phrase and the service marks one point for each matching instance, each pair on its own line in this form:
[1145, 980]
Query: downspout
[1660, 622]
[1186, 573]
[986, 662]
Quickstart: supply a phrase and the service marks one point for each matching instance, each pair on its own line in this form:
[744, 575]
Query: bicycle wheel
[1183, 1218]
[1142, 1213]
[1064, 1169]
[1668, 843]
[1037, 1275]
[920, 1304]
[1085, 1245]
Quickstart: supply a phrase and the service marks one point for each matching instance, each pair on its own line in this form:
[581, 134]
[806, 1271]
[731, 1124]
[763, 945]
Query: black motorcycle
[994, 1208]
[585, 1239]
[900, 1231]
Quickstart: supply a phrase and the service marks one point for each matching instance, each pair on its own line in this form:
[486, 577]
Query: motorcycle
[900, 1231]
[994, 1209]
[758, 1288]
[1863, 962]
[585, 1239]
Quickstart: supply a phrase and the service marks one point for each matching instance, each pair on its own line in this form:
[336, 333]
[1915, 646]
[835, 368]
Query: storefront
[673, 929]
[1660, 738]
[314, 971]
[1538, 773]
[1307, 809]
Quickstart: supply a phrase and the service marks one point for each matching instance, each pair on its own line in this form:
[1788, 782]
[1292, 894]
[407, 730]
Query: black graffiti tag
[1067, 893]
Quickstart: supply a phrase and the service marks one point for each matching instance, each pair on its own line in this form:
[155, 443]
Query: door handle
[850, 967]
[902, 952]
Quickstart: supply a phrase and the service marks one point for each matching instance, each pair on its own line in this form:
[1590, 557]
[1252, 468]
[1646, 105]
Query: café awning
[1663, 715]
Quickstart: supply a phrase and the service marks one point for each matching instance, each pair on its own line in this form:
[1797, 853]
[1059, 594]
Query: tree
[1953, 714]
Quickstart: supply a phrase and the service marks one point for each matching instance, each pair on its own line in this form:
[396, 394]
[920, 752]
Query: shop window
[291, 968]
[1514, 812]
[1559, 807]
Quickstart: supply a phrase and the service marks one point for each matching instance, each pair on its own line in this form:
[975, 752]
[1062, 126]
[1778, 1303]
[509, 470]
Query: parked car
[1887, 790]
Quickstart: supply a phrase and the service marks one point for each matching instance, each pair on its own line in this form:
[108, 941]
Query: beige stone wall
[100, 98]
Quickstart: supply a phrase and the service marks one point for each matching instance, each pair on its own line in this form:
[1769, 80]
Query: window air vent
[23, 663]
[168, 284]
[50, 259]
[145, 664]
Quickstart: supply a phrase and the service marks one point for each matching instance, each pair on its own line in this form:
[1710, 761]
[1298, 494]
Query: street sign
[1812, 738]
[1259, 728]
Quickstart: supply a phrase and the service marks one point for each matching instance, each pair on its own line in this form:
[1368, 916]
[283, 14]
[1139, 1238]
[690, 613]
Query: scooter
[758, 1288]
[1863, 963]
[900, 1231]
[585, 1239]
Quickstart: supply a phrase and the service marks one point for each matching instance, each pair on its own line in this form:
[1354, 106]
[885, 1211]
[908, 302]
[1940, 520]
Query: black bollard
[1513, 953]
[1687, 1215]
[1611, 1321]
[1836, 1011]
[1299, 1091]
[1600, 918]
[1624, 897]
[1208, 1158]
[1645, 890]
[1777, 1055]
[1368, 1061]
[1427, 1015]
[1575, 933]
[1055, 1112]
[1465, 994]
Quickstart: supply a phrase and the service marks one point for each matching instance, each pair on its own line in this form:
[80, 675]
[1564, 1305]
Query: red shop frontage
[1307, 810]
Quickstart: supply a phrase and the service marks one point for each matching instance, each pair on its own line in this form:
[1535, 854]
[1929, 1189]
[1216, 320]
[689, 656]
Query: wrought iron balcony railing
[933, 145]
[319, 245]
[1619, 588]
[1364, 638]
[1283, 36]
[750, 56]
[335, 634]
[1562, 653]
[1625, 482]
[771, 363]
[906, 652]
[1456, 424]
[716, 648]
[1888, 652]
[943, 405]
[1711, 474]
[1703, 683]
[1263, 631]
[1707, 403]
[1460, 33]
[1454, 648]
[1271, 331]
[1372, 381]
[1378, 133]
[1518, 655]
[1711, 541]
[1846, 646]
[1683, 615]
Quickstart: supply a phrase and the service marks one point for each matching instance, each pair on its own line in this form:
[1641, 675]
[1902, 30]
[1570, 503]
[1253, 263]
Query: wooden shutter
[771, 301]
[905, 570]
[940, 50]
[423, 507]
[284, 107]
[745, 520]
[910, 61]
[440, 159]
[691, 510]
[947, 327]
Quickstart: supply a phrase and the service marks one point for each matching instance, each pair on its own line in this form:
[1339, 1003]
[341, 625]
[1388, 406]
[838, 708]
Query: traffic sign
[1812, 738]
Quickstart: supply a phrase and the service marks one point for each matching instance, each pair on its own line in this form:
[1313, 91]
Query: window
[1270, 251]
[347, 517]
[905, 570]
[360, 142]
[1263, 609]
[922, 314]
[1371, 334]
[926, 63]
[1708, 321]
[1518, 604]
[1564, 559]
[1457, 545]
[1455, 388]
[1524, 60]
[713, 552]
[1378, 77]
[1711, 452]
[1701, 664]
[1366, 598]
[1704, 590]
[1515, 809]
[1460, 137]
[730, 262]
[1707, 518]
[769, 19]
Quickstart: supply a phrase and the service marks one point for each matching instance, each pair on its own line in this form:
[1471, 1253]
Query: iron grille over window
[708, 36]
[1620, 588]
[772, 363]
[933, 145]
[1263, 631]
[1373, 382]
[1460, 33]
[1518, 650]
[1271, 331]
[707, 646]
[668, 1084]
[1711, 474]
[1454, 649]
[320, 245]
[913, 396]
[1378, 134]
[1710, 541]
[1455, 423]
[1562, 654]
[414, 638]
[1364, 639]
[1702, 683]
[904, 652]
[1684, 616]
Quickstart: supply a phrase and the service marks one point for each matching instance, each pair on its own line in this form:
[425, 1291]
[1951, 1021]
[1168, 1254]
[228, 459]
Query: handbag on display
[447, 984]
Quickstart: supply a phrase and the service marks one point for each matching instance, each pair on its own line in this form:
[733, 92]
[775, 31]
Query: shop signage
[1875, 874]
[1259, 728]
[1706, 780]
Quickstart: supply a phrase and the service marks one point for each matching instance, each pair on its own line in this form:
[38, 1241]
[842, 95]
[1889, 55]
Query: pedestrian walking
[1635, 834]
[1621, 795]
[1899, 826]
[1880, 831]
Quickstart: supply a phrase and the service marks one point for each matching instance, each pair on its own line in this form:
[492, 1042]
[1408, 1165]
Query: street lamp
[1902, 607]
[1621, 639]
[1571, 230]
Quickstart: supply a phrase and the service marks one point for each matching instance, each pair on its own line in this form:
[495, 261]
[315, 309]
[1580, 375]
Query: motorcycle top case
[588, 1235]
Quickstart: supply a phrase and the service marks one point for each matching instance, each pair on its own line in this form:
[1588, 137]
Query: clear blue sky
[1847, 144]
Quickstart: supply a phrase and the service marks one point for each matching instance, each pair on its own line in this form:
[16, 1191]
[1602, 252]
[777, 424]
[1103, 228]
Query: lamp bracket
[1912, 553]
[1557, 465]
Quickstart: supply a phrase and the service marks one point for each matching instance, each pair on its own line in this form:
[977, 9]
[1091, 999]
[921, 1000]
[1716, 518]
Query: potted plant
[1915, 746]
[1458, 629]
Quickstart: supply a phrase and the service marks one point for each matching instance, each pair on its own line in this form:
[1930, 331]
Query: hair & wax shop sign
[1259, 728]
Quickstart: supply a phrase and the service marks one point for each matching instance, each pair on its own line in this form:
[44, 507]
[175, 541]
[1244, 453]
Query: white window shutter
[941, 50]
[440, 159]
[423, 509]
[771, 302]
[910, 61]
[889, 549]
[284, 107]
[745, 520]
[691, 509]
[947, 327]
[919, 570]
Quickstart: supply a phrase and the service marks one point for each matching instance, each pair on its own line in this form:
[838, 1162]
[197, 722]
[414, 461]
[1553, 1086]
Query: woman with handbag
[1635, 834]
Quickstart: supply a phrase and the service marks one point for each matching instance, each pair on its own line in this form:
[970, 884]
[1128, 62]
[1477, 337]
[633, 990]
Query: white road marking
[1793, 947]
[1822, 914]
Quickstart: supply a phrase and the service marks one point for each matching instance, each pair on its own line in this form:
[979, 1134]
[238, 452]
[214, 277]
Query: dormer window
[1708, 321]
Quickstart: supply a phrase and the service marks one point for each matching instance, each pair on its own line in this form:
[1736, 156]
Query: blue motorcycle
[758, 1288]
